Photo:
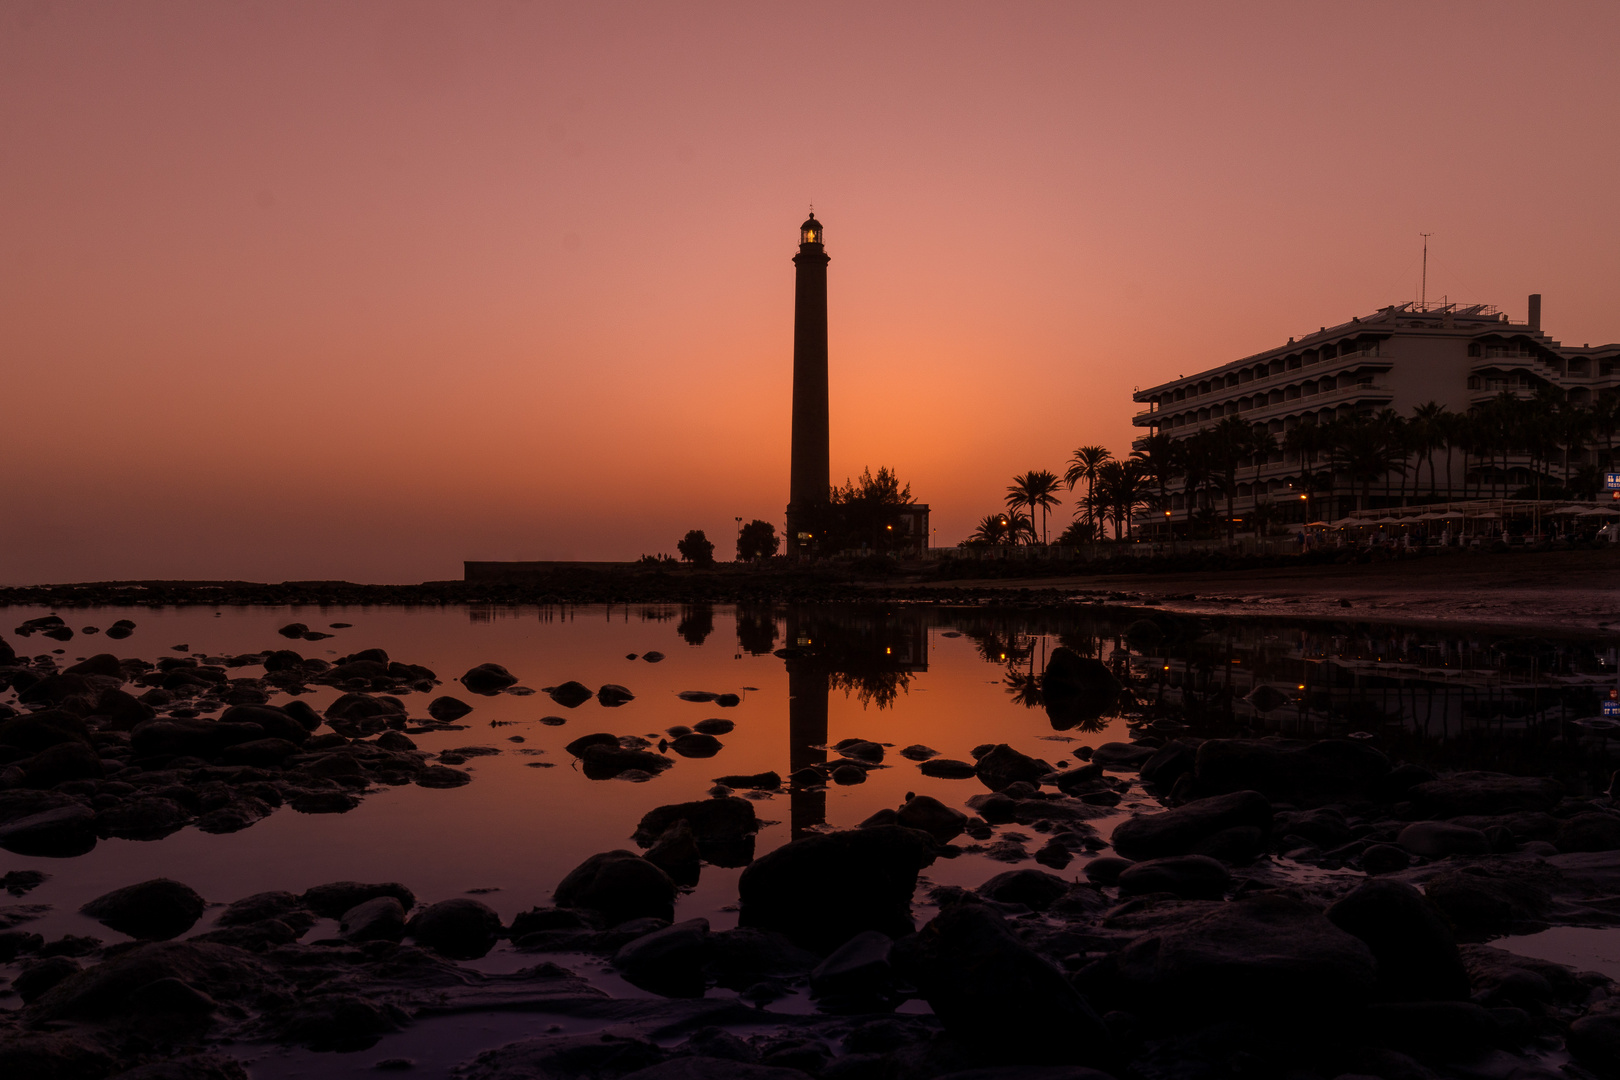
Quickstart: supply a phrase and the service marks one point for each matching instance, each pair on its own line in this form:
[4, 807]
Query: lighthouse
[809, 475]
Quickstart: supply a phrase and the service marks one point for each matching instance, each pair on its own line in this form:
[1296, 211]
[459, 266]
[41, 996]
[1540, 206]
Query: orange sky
[361, 290]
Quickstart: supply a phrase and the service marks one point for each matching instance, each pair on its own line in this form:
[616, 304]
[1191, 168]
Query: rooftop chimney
[1535, 311]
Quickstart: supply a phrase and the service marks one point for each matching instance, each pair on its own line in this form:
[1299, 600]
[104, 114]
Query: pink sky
[361, 290]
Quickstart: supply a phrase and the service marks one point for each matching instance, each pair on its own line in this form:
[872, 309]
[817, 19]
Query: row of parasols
[1463, 518]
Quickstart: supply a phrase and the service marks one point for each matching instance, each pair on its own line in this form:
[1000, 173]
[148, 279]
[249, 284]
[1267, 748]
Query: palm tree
[1120, 488]
[1193, 458]
[1232, 441]
[1158, 463]
[1428, 425]
[1303, 440]
[1083, 465]
[1035, 489]
[1363, 450]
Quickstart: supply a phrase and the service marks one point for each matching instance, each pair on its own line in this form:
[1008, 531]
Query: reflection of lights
[1302, 686]
[888, 652]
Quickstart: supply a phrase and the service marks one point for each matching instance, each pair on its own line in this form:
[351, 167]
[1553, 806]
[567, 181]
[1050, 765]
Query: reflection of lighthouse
[809, 473]
[807, 728]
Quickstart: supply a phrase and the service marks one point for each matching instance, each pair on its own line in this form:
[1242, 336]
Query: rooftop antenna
[1423, 301]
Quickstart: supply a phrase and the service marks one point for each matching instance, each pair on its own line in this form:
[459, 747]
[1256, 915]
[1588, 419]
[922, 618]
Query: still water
[948, 678]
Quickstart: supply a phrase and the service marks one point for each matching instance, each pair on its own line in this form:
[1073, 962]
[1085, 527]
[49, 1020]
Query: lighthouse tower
[809, 475]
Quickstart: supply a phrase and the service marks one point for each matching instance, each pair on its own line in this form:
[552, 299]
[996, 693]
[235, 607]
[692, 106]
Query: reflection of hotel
[1397, 358]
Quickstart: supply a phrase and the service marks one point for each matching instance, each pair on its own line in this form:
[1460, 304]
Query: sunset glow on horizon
[358, 291]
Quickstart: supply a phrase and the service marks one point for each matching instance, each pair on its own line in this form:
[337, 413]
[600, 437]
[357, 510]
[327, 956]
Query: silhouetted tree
[1035, 489]
[696, 548]
[1083, 465]
[757, 540]
[864, 512]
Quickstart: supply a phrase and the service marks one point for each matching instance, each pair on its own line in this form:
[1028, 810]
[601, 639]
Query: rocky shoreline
[1271, 908]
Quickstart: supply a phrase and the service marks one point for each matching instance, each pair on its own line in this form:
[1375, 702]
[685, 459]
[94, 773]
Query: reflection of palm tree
[1024, 687]
[1036, 490]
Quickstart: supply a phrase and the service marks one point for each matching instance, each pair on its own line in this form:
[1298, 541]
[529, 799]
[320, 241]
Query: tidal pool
[951, 679]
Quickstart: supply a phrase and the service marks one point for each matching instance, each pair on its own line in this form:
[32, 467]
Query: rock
[1486, 902]
[696, 745]
[857, 976]
[1170, 763]
[62, 762]
[1237, 846]
[53, 1057]
[1123, 756]
[196, 1067]
[277, 723]
[992, 993]
[324, 801]
[860, 750]
[382, 918]
[1590, 831]
[668, 961]
[612, 695]
[45, 823]
[1385, 859]
[260, 753]
[1002, 766]
[606, 762]
[947, 769]
[442, 776]
[714, 726]
[1077, 688]
[585, 742]
[1106, 870]
[332, 900]
[266, 905]
[154, 910]
[1416, 954]
[1191, 877]
[1328, 771]
[446, 709]
[461, 928]
[35, 979]
[927, 814]
[675, 851]
[99, 664]
[143, 818]
[1594, 1040]
[821, 890]
[1437, 839]
[620, 886]
[1035, 889]
[189, 737]
[1266, 953]
[727, 701]
[42, 730]
[1483, 793]
[571, 694]
[293, 630]
[721, 827]
[847, 775]
[1443, 1028]
[489, 679]
[1178, 831]
[918, 752]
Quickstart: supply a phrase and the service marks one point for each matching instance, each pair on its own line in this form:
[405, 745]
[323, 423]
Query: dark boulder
[1123, 756]
[42, 730]
[857, 977]
[64, 761]
[1484, 902]
[382, 918]
[1416, 953]
[1178, 831]
[606, 762]
[927, 814]
[612, 695]
[461, 928]
[585, 742]
[332, 900]
[277, 723]
[1267, 954]
[995, 995]
[189, 737]
[822, 890]
[1170, 763]
[1437, 839]
[571, 694]
[620, 886]
[1594, 1040]
[260, 753]
[144, 818]
[1002, 766]
[1034, 889]
[695, 744]
[442, 776]
[765, 781]
[488, 679]
[100, 664]
[1191, 877]
[36, 978]
[445, 709]
[1077, 688]
[676, 852]
[285, 906]
[720, 826]
[155, 910]
[1591, 831]
[668, 961]
[63, 830]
